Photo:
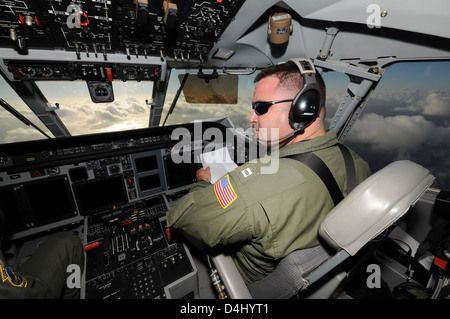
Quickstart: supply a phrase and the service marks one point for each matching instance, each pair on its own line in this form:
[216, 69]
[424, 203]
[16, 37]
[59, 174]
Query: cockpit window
[80, 115]
[231, 96]
[408, 117]
[336, 84]
[12, 129]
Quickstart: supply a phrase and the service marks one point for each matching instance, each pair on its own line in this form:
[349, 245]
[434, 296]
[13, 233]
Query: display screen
[78, 174]
[50, 200]
[101, 194]
[36, 203]
[144, 164]
[179, 174]
[12, 220]
[149, 182]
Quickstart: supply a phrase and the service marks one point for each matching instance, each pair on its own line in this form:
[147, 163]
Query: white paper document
[219, 162]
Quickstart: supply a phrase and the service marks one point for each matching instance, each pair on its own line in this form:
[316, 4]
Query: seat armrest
[230, 276]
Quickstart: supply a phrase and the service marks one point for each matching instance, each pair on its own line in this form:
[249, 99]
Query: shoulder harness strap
[321, 169]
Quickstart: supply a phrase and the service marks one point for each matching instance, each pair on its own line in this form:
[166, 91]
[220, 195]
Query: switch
[109, 74]
[91, 246]
[130, 182]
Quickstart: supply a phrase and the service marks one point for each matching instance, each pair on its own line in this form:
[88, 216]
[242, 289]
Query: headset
[306, 105]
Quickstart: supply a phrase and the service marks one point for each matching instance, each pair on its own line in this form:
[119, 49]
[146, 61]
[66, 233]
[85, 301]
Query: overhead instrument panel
[179, 29]
[93, 71]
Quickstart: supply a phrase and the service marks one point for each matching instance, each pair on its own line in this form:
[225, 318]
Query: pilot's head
[277, 86]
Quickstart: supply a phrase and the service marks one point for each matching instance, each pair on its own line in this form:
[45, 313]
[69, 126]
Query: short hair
[290, 78]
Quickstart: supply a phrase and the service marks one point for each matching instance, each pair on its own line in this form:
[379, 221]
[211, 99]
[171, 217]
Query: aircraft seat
[369, 210]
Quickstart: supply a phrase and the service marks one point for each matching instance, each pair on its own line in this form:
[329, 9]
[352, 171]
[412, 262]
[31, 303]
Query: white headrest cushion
[374, 205]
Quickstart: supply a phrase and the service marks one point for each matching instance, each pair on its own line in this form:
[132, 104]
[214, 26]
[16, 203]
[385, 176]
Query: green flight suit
[267, 213]
[45, 273]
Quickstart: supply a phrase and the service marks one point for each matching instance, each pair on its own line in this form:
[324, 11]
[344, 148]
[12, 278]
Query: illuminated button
[109, 74]
[37, 173]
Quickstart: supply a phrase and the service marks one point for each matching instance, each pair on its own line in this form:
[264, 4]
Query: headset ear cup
[293, 111]
[305, 108]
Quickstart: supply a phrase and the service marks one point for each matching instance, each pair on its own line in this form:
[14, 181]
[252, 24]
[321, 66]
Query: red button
[440, 263]
[109, 74]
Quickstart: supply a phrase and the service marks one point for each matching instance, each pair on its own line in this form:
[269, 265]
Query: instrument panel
[118, 187]
[45, 181]
[179, 29]
[70, 71]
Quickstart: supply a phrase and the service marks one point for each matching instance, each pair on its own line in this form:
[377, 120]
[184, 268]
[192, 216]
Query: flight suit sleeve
[213, 213]
[231, 211]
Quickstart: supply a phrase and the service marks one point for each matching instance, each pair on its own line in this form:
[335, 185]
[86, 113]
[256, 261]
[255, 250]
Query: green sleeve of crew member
[229, 211]
[200, 214]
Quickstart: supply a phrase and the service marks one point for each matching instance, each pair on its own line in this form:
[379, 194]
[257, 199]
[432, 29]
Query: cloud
[80, 118]
[21, 133]
[398, 132]
[122, 114]
[332, 102]
[437, 104]
[13, 130]
[384, 139]
[434, 103]
[84, 117]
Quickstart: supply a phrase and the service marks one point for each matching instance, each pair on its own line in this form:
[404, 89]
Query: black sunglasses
[262, 107]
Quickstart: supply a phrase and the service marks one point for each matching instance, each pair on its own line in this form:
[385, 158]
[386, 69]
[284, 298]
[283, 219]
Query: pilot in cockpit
[45, 274]
[266, 214]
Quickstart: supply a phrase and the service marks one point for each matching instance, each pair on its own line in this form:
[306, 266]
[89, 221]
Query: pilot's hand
[203, 174]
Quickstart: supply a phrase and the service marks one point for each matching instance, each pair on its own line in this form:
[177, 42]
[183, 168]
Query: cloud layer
[415, 126]
[87, 117]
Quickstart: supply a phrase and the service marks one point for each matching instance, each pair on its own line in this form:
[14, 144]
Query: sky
[407, 117]
[79, 114]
